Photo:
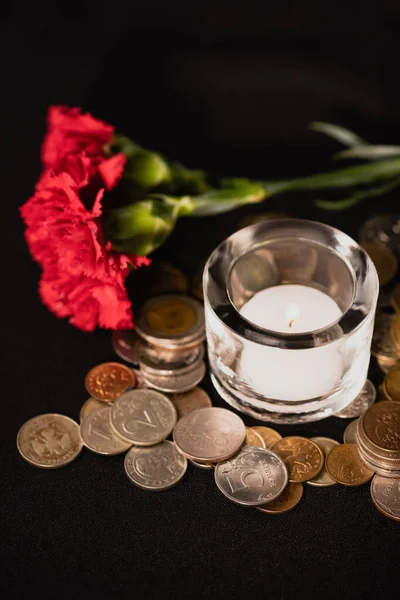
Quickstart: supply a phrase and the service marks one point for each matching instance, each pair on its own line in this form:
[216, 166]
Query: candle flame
[292, 313]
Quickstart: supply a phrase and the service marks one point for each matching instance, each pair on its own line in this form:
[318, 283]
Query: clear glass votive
[289, 307]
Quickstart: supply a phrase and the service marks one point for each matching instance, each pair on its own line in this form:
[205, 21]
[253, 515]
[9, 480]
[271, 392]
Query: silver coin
[359, 405]
[253, 477]
[349, 435]
[90, 406]
[385, 493]
[139, 379]
[323, 479]
[152, 361]
[156, 468]
[126, 344]
[209, 434]
[199, 465]
[176, 383]
[98, 436]
[143, 417]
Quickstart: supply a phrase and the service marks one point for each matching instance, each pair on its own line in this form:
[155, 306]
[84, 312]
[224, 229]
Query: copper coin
[269, 435]
[289, 498]
[345, 466]
[391, 384]
[381, 424]
[384, 260]
[209, 434]
[364, 399]
[385, 494]
[49, 441]
[187, 402]
[253, 438]
[349, 436]
[90, 406]
[303, 458]
[323, 479]
[108, 381]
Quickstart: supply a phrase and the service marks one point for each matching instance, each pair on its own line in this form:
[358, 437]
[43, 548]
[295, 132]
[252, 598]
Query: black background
[229, 86]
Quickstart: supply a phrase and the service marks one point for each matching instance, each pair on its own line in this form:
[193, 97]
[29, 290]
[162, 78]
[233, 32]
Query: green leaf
[358, 197]
[369, 152]
[143, 226]
[341, 134]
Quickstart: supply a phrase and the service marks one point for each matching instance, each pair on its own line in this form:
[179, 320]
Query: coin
[391, 384]
[365, 398]
[253, 438]
[344, 465]
[197, 282]
[395, 333]
[90, 406]
[155, 468]
[153, 362]
[385, 494]
[381, 424]
[382, 229]
[303, 458]
[382, 344]
[143, 417]
[49, 441]
[176, 383]
[349, 436]
[395, 298]
[386, 364]
[98, 436]
[186, 402]
[289, 498]
[126, 344]
[323, 479]
[253, 477]
[107, 381]
[200, 465]
[269, 435]
[209, 434]
[384, 260]
[259, 217]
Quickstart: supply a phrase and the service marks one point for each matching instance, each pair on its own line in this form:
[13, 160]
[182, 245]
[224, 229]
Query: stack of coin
[172, 332]
[378, 438]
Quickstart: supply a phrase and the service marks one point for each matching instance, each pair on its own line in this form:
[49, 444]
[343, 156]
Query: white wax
[284, 374]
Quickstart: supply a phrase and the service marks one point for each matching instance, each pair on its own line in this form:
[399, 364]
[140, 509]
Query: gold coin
[49, 441]
[381, 425]
[289, 498]
[391, 384]
[185, 402]
[91, 405]
[384, 260]
[386, 364]
[109, 380]
[171, 316]
[395, 333]
[303, 458]
[395, 298]
[265, 216]
[345, 466]
[269, 435]
[323, 479]
[253, 438]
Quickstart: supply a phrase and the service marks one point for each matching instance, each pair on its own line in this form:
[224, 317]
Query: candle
[283, 374]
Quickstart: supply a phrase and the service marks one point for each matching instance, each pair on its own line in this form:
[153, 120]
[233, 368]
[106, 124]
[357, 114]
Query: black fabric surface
[227, 86]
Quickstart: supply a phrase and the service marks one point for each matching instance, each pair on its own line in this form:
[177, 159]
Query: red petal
[111, 170]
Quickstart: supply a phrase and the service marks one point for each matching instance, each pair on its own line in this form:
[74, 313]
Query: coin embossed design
[381, 425]
[364, 400]
[171, 316]
[143, 417]
[344, 465]
[49, 441]
[349, 436]
[109, 380]
[269, 435]
[253, 438]
[155, 468]
[385, 494]
[392, 384]
[303, 458]
[252, 477]
[187, 402]
[289, 498]
[209, 434]
[323, 479]
[384, 260]
[90, 406]
[98, 436]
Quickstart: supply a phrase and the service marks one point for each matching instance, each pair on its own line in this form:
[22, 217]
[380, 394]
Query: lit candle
[285, 374]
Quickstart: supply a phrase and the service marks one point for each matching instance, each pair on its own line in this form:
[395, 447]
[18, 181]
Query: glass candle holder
[289, 307]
